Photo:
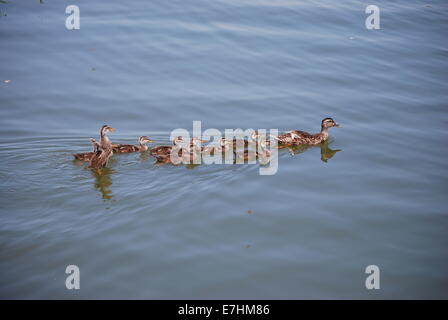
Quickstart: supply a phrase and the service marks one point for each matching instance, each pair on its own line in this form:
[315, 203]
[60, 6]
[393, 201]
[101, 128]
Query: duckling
[192, 151]
[210, 149]
[104, 152]
[245, 155]
[235, 143]
[189, 157]
[195, 145]
[126, 148]
[297, 137]
[258, 138]
[166, 150]
[177, 142]
[165, 157]
[86, 156]
[224, 145]
[263, 154]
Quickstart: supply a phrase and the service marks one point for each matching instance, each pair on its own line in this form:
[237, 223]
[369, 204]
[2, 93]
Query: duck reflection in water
[326, 153]
[144, 156]
[103, 181]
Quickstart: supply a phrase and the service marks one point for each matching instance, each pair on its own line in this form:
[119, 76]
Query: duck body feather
[126, 148]
[100, 159]
[85, 156]
[102, 155]
[297, 137]
[302, 137]
[161, 151]
[246, 155]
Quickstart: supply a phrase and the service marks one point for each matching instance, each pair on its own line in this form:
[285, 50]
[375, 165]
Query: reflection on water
[191, 165]
[326, 153]
[144, 156]
[103, 181]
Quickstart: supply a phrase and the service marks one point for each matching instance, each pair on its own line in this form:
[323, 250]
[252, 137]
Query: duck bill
[111, 129]
[337, 125]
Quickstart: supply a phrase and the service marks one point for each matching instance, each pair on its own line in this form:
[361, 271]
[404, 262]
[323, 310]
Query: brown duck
[101, 157]
[297, 137]
[244, 143]
[211, 149]
[263, 153]
[86, 156]
[186, 153]
[126, 148]
[165, 150]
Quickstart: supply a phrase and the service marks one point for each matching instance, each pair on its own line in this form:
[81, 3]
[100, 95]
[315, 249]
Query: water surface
[147, 67]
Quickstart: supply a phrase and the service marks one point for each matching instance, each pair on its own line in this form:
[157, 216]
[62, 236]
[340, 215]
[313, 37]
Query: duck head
[95, 144]
[197, 142]
[255, 135]
[106, 129]
[177, 141]
[328, 123]
[144, 140]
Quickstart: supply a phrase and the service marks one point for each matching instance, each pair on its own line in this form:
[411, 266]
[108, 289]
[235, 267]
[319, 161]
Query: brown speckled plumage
[185, 153]
[87, 156]
[245, 155]
[164, 151]
[101, 157]
[126, 148]
[263, 152]
[297, 137]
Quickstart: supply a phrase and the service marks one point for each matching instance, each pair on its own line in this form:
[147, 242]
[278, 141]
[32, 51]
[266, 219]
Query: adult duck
[297, 137]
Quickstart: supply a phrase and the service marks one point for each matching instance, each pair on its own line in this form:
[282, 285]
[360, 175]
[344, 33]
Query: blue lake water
[223, 231]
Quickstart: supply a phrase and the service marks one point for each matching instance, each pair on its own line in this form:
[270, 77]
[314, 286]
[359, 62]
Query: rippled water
[147, 67]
